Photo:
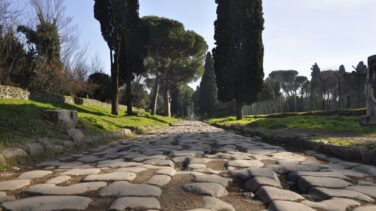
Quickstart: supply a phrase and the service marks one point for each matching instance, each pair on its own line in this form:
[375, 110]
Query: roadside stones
[268, 194]
[306, 182]
[208, 189]
[34, 174]
[114, 176]
[326, 193]
[126, 203]
[14, 184]
[44, 203]
[13, 152]
[75, 134]
[34, 148]
[80, 172]
[52, 189]
[159, 180]
[126, 189]
[334, 204]
[212, 179]
[288, 206]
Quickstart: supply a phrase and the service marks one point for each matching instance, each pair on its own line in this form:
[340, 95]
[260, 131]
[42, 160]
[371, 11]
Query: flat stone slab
[288, 156]
[212, 179]
[366, 208]
[288, 206]
[126, 189]
[159, 180]
[306, 182]
[81, 172]
[293, 176]
[213, 203]
[52, 189]
[46, 203]
[34, 174]
[368, 190]
[159, 162]
[4, 197]
[268, 194]
[245, 163]
[136, 169]
[196, 166]
[126, 203]
[117, 163]
[208, 189]
[58, 180]
[114, 176]
[14, 184]
[335, 204]
[143, 158]
[168, 171]
[318, 193]
[255, 182]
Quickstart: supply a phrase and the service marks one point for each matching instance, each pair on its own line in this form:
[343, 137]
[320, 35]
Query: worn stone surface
[334, 204]
[126, 203]
[306, 182]
[366, 208]
[58, 180]
[255, 182]
[14, 184]
[34, 174]
[245, 163]
[268, 194]
[46, 203]
[114, 176]
[168, 171]
[212, 179]
[288, 206]
[208, 189]
[52, 189]
[213, 203]
[127, 189]
[368, 190]
[326, 193]
[75, 134]
[78, 172]
[159, 180]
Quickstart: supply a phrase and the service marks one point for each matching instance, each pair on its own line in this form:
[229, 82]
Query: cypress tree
[239, 53]
[208, 90]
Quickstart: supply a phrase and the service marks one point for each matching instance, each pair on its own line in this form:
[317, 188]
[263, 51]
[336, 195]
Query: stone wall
[10, 92]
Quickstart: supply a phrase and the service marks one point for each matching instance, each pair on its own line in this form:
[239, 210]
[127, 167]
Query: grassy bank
[339, 130]
[21, 121]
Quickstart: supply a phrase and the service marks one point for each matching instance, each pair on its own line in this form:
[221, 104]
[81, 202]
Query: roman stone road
[191, 166]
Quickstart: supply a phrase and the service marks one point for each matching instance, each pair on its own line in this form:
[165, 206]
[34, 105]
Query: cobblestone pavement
[191, 166]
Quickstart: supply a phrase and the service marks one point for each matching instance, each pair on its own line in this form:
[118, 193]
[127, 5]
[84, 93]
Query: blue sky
[297, 34]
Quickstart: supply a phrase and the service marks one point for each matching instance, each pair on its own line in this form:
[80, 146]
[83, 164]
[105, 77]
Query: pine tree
[239, 53]
[208, 90]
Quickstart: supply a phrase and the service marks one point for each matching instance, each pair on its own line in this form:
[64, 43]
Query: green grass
[309, 123]
[21, 121]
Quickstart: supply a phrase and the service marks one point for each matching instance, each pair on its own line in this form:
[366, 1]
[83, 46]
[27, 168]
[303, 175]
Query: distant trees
[175, 57]
[208, 89]
[239, 52]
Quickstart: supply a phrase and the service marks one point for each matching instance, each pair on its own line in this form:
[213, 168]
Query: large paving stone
[334, 204]
[245, 163]
[212, 179]
[14, 184]
[268, 194]
[114, 176]
[58, 180]
[117, 163]
[133, 203]
[159, 162]
[208, 189]
[47, 203]
[144, 158]
[168, 171]
[126, 189]
[136, 169]
[288, 206]
[318, 193]
[255, 182]
[34, 174]
[79, 188]
[81, 172]
[213, 203]
[4, 197]
[288, 156]
[366, 208]
[284, 168]
[293, 176]
[159, 180]
[368, 190]
[306, 182]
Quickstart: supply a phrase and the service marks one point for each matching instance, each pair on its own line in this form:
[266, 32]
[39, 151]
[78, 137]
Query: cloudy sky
[297, 34]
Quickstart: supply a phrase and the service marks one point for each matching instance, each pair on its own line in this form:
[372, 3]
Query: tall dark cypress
[240, 51]
[208, 88]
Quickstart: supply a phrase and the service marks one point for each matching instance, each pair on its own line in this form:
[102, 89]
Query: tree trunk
[155, 100]
[114, 85]
[168, 100]
[239, 110]
[129, 98]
